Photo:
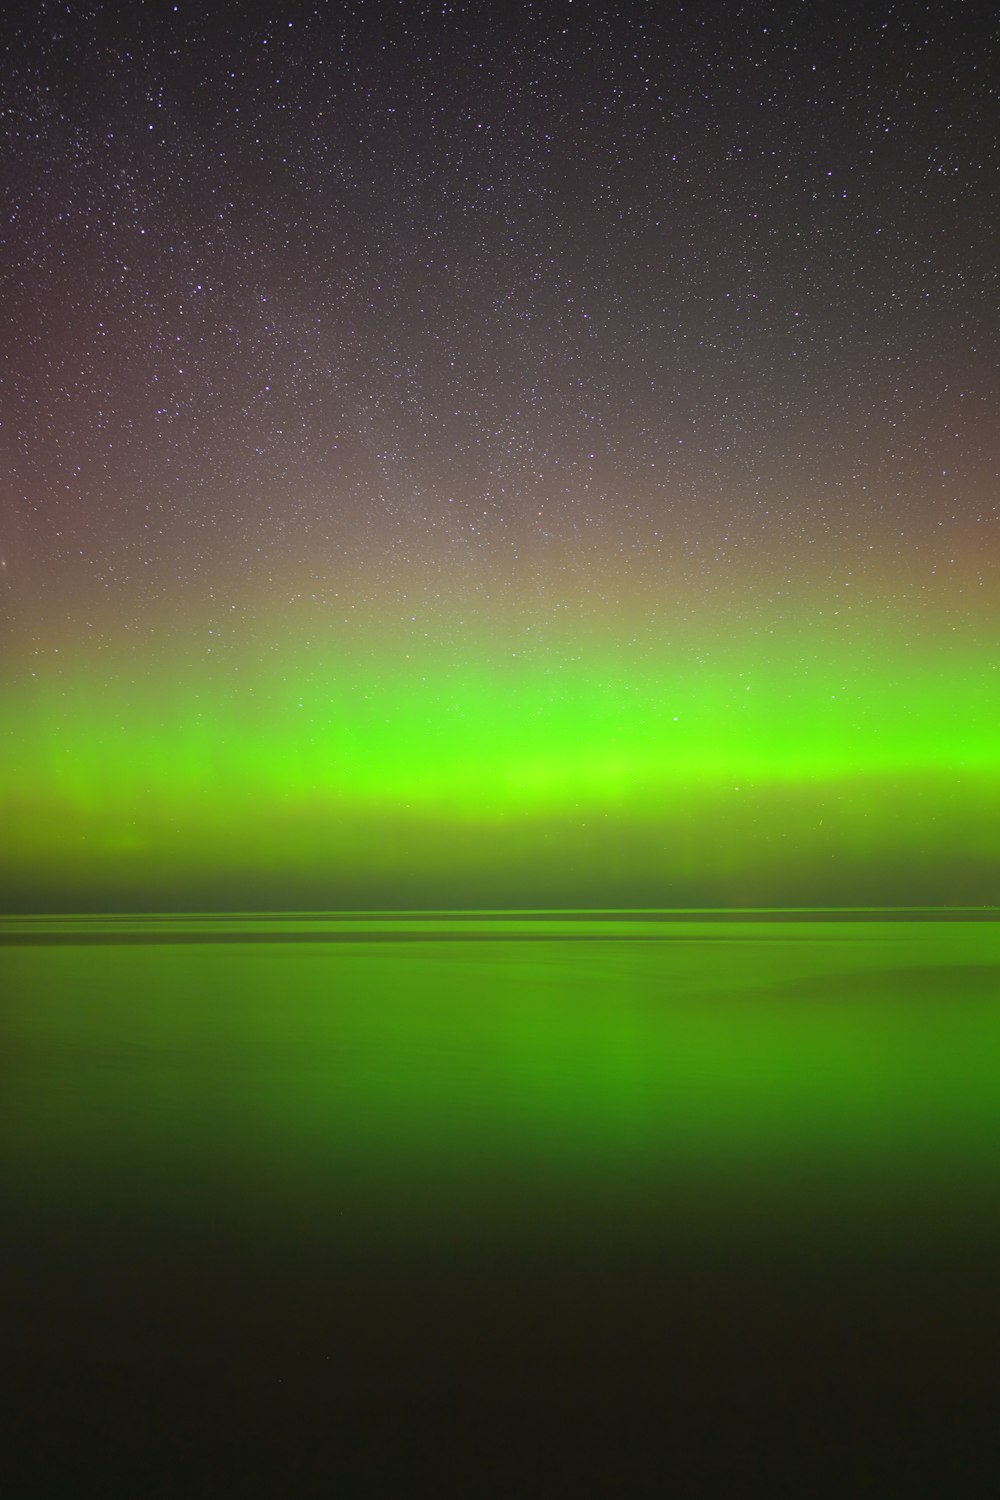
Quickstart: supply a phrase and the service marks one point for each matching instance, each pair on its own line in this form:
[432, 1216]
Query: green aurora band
[470, 767]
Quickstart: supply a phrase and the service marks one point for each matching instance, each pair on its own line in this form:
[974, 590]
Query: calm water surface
[503, 1205]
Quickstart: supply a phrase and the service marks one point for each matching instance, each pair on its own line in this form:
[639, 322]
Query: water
[501, 1203]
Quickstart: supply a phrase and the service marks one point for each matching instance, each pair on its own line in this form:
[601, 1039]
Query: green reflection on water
[624, 1071]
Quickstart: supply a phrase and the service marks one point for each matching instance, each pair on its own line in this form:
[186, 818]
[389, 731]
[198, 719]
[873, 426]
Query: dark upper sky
[397, 280]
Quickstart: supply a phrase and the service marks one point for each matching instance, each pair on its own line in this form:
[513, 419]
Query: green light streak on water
[711, 1073]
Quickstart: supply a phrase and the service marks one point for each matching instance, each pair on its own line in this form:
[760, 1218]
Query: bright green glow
[653, 777]
[728, 1068]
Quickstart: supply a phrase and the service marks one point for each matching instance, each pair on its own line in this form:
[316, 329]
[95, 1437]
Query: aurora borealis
[498, 456]
[538, 776]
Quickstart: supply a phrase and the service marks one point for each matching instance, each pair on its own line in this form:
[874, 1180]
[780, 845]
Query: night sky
[468, 455]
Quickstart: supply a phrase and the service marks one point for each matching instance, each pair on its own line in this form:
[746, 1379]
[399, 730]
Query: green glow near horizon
[682, 770]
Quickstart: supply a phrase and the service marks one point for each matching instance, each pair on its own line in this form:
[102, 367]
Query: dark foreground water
[516, 1206]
